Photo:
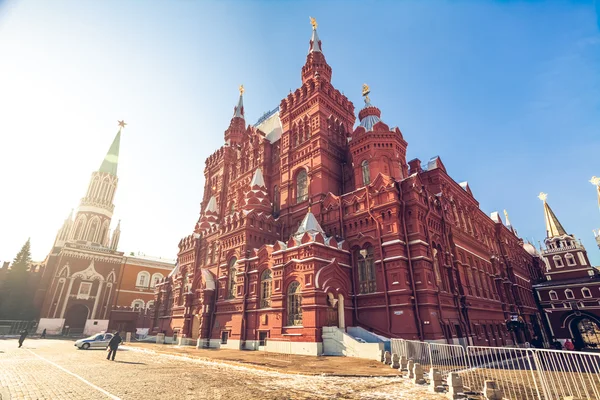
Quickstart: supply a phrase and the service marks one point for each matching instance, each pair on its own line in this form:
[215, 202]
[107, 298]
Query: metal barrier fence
[511, 368]
[447, 358]
[521, 373]
[14, 327]
[569, 373]
[278, 350]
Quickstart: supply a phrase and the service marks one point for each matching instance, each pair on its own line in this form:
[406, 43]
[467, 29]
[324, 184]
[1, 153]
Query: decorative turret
[315, 60]
[596, 182]
[116, 235]
[210, 216]
[257, 198]
[564, 254]
[96, 208]
[64, 231]
[233, 134]
[374, 146]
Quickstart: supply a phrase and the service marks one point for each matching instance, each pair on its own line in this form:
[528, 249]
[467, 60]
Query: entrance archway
[586, 332]
[75, 319]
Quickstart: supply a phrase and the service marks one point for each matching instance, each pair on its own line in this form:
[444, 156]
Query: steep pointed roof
[111, 161]
[257, 179]
[309, 224]
[315, 42]
[238, 111]
[212, 205]
[553, 226]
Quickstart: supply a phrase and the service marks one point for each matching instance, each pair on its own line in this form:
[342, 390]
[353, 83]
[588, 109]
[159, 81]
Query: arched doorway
[586, 332]
[332, 310]
[75, 319]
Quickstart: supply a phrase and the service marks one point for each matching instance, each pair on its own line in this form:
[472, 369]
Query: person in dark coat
[113, 345]
[537, 342]
[24, 334]
[43, 334]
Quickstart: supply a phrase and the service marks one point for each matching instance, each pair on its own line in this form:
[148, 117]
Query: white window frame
[589, 292]
[572, 296]
[570, 260]
[80, 294]
[140, 302]
[153, 280]
[149, 304]
[138, 282]
[567, 305]
[558, 261]
[551, 293]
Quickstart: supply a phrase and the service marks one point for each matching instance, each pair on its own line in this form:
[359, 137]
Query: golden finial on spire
[595, 181]
[242, 90]
[121, 124]
[543, 196]
[313, 22]
[365, 92]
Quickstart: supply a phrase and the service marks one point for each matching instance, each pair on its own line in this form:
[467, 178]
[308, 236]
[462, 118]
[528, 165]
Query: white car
[98, 341]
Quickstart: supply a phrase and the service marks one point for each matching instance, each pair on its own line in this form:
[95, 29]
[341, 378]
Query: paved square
[55, 369]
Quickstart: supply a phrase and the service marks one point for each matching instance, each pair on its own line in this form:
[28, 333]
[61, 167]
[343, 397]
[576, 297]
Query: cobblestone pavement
[55, 369]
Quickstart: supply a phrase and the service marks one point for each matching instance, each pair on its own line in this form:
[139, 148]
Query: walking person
[113, 345]
[43, 334]
[24, 334]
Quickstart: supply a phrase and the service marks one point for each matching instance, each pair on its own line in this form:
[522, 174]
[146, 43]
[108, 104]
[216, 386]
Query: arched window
[143, 279]
[137, 305]
[553, 295]
[231, 282]
[366, 271]
[439, 280]
[232, 207]
[294, 304]
[276, 200]
[366, 176]
[156, 278]
[570, 259]
[266, 285]
[79, 228]
[92, 231]
[569, 294]
[301, 186]
[586, 292]
[150, 304]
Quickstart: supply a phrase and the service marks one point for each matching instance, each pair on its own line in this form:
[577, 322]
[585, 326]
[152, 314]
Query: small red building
[570, 293]
[308, 222]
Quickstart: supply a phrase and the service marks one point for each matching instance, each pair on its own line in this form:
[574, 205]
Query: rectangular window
[85, 288]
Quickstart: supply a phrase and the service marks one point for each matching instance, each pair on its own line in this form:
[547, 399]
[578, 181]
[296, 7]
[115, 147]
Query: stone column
[98, 294]
[64, 307]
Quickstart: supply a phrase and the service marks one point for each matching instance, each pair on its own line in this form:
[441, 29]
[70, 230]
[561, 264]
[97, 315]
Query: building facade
[134, 303]
[85, 277]
[308, 222]
[570, 294]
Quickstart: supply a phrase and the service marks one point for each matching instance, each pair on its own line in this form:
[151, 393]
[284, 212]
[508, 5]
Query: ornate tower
[596, 182]
[564, 256]
[92, 221]
[234, 134]
[375, 148]
[316, 120]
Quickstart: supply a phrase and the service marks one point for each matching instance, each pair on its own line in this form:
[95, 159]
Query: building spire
[506, 218]
[111, 161]
[553, 226]
[238, 111]
[316, 66]
[315, 42]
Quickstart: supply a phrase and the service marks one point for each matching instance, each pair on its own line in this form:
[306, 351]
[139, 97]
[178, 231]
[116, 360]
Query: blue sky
[507, 93]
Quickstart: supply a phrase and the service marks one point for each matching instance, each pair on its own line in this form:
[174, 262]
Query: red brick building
[570, 294]
[308, 222]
